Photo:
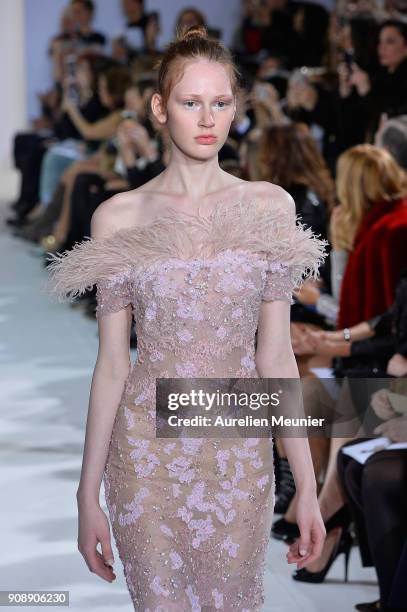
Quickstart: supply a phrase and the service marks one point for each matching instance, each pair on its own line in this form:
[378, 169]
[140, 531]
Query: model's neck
[193, 179]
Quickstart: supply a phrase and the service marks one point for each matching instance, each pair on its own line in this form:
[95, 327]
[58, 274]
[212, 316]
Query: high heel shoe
[341, 518]
[344, 545]
[285, 531]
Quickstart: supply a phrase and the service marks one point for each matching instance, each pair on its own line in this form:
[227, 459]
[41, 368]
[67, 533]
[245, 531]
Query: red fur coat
[375, 263]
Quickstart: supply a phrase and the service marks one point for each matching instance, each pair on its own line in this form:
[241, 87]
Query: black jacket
[372, 355]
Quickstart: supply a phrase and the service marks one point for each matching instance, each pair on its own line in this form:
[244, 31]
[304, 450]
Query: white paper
[363, 450]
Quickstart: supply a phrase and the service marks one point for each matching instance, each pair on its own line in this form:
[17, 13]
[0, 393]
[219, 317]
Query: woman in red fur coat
[371, 224]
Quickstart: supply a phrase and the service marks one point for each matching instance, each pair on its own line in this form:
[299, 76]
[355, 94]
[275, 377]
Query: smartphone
[129, 114]
[70, 65]
[72, 93]
[299, 77]
[349, 58]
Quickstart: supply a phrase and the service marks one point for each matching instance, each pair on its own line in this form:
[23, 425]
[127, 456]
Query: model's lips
[206, 139]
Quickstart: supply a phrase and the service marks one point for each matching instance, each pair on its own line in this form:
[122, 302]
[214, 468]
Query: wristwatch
[346, 334]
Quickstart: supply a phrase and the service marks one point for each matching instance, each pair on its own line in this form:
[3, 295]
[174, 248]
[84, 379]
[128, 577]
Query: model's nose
[207, 118]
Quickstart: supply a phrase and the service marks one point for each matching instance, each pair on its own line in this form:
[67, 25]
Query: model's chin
[203, 152]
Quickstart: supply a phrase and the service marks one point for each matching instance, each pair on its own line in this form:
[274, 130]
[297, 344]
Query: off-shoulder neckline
[172, 214]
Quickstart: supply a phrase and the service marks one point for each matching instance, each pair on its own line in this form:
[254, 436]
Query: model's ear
[158, 110]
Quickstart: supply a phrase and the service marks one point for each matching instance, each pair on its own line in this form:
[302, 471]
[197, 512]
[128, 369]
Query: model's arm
[111, 370]
[275, 359]
[110, 373]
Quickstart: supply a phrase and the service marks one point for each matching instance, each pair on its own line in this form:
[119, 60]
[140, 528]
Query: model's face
[392, 48]
[200, 104]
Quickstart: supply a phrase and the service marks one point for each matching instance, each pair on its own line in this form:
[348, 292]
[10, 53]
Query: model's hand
[94, 528]
[312, 530]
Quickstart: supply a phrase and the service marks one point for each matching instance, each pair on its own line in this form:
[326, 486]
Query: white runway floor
[47, 354]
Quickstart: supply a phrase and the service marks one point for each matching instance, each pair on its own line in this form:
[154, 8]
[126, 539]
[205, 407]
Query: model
[203, 259]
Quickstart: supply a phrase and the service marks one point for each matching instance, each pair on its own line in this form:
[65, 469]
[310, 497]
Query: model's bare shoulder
[121, 211]
[106, 219]
[271, 196]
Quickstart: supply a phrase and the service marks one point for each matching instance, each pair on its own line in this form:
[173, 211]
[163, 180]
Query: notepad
[363, 450]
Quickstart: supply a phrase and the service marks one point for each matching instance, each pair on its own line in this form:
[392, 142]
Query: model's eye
[189, 103]
[224, 104]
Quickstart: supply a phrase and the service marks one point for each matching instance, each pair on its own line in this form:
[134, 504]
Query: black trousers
[377, 495]
[29, 149]
[88, 192]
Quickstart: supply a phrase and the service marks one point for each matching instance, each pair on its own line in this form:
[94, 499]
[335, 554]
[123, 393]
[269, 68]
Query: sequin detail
[191, 518]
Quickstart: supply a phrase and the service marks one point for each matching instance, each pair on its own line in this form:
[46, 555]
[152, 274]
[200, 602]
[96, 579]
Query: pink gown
[191, 517]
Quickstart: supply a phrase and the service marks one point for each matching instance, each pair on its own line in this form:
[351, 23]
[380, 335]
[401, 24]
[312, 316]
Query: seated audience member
[189, 17]
[271, 70]
[356, 43]
[392, 136]
[113, 166]
[280, 33]
[366, 98]
[82, 16]
[62, 145]
[139, 36]
[76, 36]
[377, 246]
[366, 234]
[373, 348]
[377, 495]
[112, 87]
[311, 103]
[302, 171]
[248, 37]
[60, 44]
[82, 91]
[379, 349]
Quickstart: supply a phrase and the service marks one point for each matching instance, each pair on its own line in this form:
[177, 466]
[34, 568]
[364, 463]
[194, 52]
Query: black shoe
[344, 545]
[17, 221]
[372, 606]
[285, 531]
[341, 518]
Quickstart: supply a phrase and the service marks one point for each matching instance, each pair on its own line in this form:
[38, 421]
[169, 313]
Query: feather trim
[179, 234]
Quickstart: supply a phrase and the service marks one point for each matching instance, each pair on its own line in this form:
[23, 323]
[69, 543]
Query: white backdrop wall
[12, 78]
[41, 18]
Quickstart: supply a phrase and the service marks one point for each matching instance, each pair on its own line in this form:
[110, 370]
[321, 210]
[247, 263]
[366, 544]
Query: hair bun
[195, 31]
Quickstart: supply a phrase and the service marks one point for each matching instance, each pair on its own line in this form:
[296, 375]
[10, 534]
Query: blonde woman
[371, 190]
[371, 226]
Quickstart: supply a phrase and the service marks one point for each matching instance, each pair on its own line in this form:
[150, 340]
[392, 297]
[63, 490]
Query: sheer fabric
[191, 517]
